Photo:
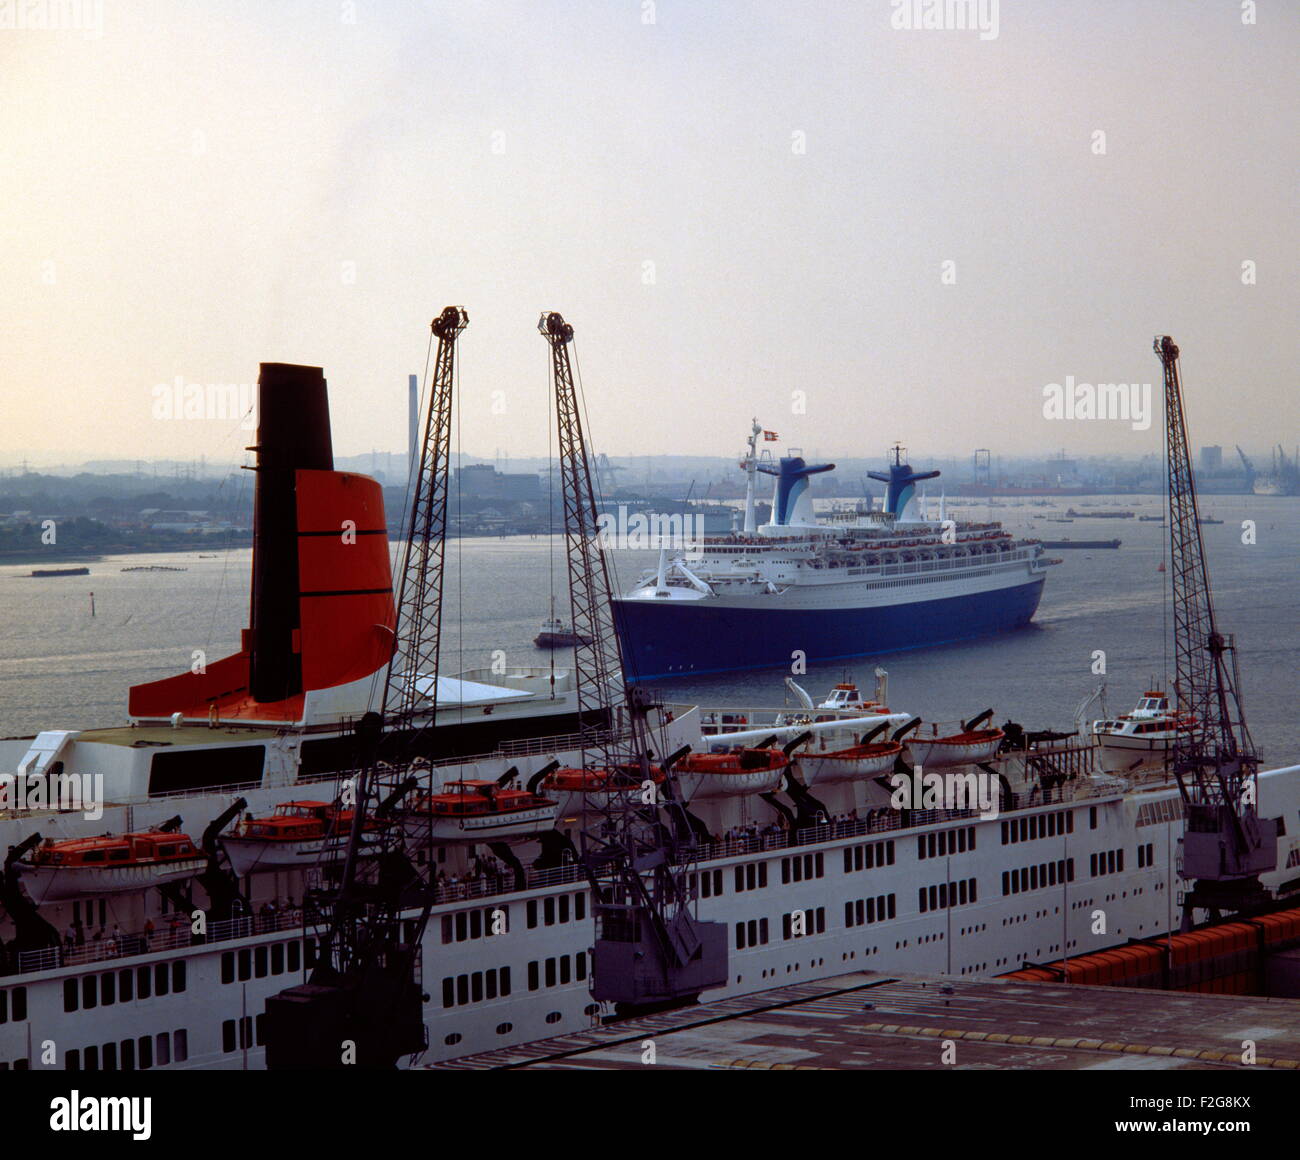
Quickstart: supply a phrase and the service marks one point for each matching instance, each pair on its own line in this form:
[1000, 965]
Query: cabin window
[462, 989]
[548, 911]
[475, 924]
[143, 982]
[564, 908]
[127, 1048]
[580, 963]
[180, 1045]
[245, 965]
[277, 959]
[532, 913]
[125, 985]
[146, 1052]
[564, 970]
[110, 1056]
[92, 1058]
[107, 989]
[160, 979]
[162, 1043]
[295, 956]
[550, 972]
[206, 767]
[579, 906]
[93, 856]
[89, 992]
[260, 962]
[72, 1060]
[70, 994]
[533, 980]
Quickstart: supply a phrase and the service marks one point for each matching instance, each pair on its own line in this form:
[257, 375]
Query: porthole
[554, 1017]
[452, 1039]
[591, 1009]
[505, 1028]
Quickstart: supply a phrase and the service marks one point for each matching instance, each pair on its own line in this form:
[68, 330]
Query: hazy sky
[201, 188]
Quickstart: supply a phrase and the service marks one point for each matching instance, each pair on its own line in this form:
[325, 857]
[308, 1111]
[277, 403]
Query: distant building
[1211, 458]
[483, 481]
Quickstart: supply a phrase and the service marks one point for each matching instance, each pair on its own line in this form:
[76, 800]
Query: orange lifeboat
[745, 771]
[477, 811]
[295, 834]
[109, 864]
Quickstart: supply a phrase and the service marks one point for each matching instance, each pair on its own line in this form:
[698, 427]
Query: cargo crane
[1248, 467]
[1226, 845]
[651, 949]
[365, 989]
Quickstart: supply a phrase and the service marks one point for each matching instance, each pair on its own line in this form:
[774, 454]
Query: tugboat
[109, 864]
[557, 634]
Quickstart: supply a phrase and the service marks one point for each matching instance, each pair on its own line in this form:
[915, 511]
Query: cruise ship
[859, 583]
[151, 933]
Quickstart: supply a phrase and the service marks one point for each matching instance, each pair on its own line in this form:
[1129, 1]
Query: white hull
[938, 754]
[832, 770]
[703, 786]
[249, 854]
[65, 883]
[518, 825]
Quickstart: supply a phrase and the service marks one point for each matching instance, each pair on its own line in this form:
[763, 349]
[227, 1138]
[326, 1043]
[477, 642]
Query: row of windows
[1036, 877]
[1037, 826]
[869, 856]
[258, 962]
[1146, 855]
[241, 1034]
[122, 986]
[474, 988]
[1106, 862]
[864, 910]
[707, 883]
[132, 1054]
[751, 934]
[557, 908]
[799, 867]
[751, 876]
[800, 923]
[13, 1004]
[946, 894]
[946, 842]
[483, 922]
[558, 971]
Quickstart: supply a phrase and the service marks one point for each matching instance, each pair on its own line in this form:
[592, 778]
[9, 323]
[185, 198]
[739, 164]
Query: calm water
[61, 668]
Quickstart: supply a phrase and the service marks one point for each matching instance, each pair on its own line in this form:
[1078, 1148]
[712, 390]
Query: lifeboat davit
[964, 748]
[109, 864]
[477, 811]
[572, 788]
[294, 835]
[857, 761]
[747, 771]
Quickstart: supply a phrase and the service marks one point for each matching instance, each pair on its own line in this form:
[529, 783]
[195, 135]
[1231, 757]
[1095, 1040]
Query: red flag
[771, 436]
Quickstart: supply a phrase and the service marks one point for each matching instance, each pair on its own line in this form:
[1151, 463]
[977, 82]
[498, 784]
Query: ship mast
[1226, 846]
[750, 465]
[651, 950]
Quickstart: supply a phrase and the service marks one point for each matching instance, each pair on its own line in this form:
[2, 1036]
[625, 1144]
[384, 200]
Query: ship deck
[889, 1021]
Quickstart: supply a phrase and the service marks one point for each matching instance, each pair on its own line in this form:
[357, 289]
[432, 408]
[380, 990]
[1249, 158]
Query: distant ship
[862, 583]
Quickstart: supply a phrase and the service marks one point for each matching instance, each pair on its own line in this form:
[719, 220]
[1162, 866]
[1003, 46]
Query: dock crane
[365, 988]
[1226, 845]
[651, 950]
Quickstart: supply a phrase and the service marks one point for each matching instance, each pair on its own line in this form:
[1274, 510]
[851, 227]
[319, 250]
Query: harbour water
[62, 668]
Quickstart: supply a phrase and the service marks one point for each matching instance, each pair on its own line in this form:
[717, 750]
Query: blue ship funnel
[902, 481]
[791, 503]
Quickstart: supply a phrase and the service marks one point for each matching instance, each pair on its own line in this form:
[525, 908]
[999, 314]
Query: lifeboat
[294, 835]
[963, 748]
[477, 811]
[109, 864]
[857, 761]
[571, 787]
[747, 771]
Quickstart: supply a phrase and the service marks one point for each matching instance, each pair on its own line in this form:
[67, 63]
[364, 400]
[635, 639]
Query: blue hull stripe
[670, 640]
